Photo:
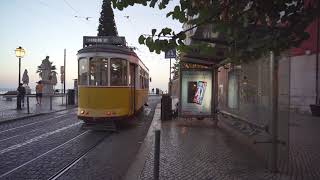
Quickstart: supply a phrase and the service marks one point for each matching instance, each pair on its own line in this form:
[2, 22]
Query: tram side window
[118, 72]
[98, 71]
[83, 71]
[147, 80]
[142, 83]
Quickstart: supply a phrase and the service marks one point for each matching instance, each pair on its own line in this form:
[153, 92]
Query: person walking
[39, 88]
[21, 93]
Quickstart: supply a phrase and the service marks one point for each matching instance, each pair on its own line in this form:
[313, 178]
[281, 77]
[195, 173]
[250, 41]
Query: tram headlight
[82, 112]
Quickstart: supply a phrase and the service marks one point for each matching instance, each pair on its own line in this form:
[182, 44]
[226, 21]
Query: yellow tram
[113, 82]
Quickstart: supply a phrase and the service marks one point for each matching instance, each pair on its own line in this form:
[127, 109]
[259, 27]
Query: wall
[302, 82]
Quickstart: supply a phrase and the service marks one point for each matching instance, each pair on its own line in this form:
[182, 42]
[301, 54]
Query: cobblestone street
[54, 146]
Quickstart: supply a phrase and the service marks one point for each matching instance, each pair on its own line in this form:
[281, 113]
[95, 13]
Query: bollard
[28, 105]
[50, 103]
[156, 155]
[66, 101]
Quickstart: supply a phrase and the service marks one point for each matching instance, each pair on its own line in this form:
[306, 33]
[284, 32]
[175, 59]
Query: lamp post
[19, 54]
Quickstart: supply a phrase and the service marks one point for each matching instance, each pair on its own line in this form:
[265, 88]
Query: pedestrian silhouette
[21, 93]
[39, 88]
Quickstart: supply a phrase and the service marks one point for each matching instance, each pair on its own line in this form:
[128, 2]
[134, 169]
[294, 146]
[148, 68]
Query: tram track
[19, 153]
[14, 124]
[42, 155]
[57, 157]
[77, 159]
[40, 128]
[69, 153]
[34, 123]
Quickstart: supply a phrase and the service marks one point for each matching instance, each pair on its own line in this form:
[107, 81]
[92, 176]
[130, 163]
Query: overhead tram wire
[68, 4]
[77, 13]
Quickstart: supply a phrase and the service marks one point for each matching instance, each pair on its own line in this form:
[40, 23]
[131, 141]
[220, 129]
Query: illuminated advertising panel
[196, 93]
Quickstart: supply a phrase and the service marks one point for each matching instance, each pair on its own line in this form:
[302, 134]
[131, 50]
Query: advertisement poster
[196, 93]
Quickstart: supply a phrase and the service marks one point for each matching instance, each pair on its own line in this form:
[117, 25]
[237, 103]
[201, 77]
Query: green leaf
[153, 32]
[153, 3]
[166, 31]
[141, 39]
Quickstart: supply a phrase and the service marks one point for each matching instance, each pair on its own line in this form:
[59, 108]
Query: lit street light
[19, 53]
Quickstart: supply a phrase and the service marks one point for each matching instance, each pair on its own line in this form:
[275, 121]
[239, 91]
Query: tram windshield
[83, 71]
[118, 72]
[98, 71]
[95, 71]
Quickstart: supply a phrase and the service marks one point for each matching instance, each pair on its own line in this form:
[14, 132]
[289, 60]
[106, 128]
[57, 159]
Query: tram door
[132, 84]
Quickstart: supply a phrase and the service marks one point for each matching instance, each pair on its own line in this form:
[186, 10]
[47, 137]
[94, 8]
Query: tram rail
[29, 124]
[42, 155]
[77, 159]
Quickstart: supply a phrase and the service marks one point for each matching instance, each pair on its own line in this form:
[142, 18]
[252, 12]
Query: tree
[107, 25]
[248, 28]
[176, 66]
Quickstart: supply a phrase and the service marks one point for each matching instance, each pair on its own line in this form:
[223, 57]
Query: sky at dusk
[47, 27]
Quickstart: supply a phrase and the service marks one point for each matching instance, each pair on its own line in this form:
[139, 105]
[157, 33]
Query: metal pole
[50, 102]
[170, 71]
[28, 107]
[62, 99]
[66, 101]
[19, 71]
[170, 78]
[274, 110]
[317, 60]
[64, 75]
[18, 97]
[156, 155]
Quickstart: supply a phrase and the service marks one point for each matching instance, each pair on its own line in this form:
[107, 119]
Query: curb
[136, 167]
[33, 115]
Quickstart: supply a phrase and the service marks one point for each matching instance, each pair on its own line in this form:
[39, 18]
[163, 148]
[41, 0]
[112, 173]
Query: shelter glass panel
[119, 72]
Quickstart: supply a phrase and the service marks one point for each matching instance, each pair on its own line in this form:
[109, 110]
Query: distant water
[4, 90]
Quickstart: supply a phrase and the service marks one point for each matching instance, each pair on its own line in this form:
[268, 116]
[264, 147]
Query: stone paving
[304, 152]
[194, 149]
[8, 109]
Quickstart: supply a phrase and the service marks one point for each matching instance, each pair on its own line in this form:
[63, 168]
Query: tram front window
[118, 71]
[98, 71]
[83, 71]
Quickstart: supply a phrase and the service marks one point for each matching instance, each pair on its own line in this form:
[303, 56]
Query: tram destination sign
[101, 40]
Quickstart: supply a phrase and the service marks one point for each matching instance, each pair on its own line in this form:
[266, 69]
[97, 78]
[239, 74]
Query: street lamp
[19, 53]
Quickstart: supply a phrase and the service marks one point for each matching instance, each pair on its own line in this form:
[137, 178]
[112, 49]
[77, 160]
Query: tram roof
[110, 49]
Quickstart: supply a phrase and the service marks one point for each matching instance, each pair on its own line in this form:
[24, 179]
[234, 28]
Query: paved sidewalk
[8, 109]
[304, 152]
[194, 149]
